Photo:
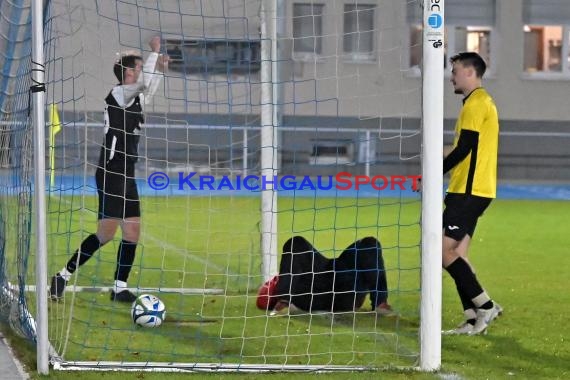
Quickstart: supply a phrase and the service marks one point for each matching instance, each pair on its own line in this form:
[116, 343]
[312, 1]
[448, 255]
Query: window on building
[476, 39]
[468, 27]
[214, 57]
[358, 41]
[308, 29]
[543, 47]
[546, 37]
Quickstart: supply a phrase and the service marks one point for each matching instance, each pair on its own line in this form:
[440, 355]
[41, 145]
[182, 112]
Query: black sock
[487, 305]
[125, 259]
[84, 253]
[464, 278]
[465, 300]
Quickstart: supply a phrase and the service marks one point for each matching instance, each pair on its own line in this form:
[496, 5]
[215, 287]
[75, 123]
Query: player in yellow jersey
[472, 187]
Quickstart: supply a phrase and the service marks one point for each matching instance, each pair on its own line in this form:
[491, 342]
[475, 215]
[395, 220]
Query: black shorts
[118, 194]
[461, 214]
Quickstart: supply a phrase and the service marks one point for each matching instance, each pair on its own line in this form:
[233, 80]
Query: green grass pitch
[519, 250]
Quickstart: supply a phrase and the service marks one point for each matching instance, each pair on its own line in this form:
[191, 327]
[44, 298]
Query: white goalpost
[262, 101]
[38, 89]
[269, 141]
[432, 169]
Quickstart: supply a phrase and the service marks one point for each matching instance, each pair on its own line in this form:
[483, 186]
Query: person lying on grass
[310, 282]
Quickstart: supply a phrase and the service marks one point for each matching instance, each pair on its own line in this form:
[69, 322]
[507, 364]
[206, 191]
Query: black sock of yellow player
[464, 278]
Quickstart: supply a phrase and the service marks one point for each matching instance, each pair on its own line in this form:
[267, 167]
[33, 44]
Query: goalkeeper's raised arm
[141, 79]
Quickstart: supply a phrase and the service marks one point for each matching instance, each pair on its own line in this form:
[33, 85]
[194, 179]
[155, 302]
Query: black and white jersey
[122, 128]
[124, 118]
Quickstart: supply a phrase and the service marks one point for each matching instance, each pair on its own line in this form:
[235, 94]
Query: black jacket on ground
[313, 282]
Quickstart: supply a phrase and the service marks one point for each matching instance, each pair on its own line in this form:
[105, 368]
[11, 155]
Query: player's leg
[463, 248]
[476, 206]
[371, 273]
[451, 217]
[125, 257]
[460, 218]
[106, 228]
[469, 309]
[352, 273]
[105, 231]
[131, 227]
[379, 295]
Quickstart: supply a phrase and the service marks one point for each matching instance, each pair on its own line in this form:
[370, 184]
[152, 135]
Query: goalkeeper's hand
[154, 44]
[162, 63]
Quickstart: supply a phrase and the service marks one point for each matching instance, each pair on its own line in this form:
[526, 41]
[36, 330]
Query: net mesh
[346, 101]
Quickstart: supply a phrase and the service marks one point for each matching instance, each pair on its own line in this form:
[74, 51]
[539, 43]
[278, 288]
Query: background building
[350, 75]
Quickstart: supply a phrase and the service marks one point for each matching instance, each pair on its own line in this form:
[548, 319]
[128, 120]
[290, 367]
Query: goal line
[103, 289]
[206, 367]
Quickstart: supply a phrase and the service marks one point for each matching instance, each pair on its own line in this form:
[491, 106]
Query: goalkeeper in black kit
[119, 203]
[309, 281]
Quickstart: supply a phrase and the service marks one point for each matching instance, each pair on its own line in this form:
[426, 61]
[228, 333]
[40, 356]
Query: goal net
[274, 119]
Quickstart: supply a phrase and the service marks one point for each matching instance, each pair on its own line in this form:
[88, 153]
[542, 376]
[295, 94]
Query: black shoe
[57, 287]
[123, 296]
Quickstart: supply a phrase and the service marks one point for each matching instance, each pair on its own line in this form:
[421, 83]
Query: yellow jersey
[476, 174]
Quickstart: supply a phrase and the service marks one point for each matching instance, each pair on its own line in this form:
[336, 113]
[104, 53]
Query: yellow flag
[54, 128]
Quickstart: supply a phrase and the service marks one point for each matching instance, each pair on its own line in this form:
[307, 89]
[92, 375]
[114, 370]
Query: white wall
[336, 86]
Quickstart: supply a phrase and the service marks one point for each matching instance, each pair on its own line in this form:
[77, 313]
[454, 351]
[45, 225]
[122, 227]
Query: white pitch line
[103, 289]
[450, 376]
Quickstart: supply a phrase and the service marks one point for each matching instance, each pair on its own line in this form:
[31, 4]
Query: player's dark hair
[472, 59]
[125, 62]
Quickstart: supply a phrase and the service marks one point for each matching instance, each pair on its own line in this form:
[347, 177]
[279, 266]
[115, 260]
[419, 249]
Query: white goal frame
[432, 105]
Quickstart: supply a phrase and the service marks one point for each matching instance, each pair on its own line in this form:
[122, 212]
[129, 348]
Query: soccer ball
[148, 311]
